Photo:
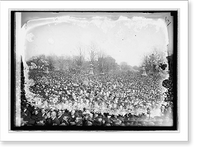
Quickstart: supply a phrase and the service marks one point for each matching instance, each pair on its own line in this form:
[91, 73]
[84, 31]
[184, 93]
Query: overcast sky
[127, 39]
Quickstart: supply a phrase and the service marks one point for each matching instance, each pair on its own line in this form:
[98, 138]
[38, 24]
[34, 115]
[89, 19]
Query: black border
[13, 70]
[95, 128]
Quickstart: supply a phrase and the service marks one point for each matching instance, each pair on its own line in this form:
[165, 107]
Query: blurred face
[100, 119]
[72, 112]
[60, 113]
[96, 115]
[53, 114]
[65, 118]
[36, 112]
[86, 116]
[43, 111]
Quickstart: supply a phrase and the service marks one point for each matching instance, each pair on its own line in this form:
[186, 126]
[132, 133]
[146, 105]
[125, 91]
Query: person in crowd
[48, 119]
[60, 116]
[25, 115]
[72, 118]
[54, 118]
[149, 112]
[34, 119]
[40, 117]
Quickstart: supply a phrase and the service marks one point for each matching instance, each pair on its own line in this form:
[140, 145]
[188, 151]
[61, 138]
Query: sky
[126, 39]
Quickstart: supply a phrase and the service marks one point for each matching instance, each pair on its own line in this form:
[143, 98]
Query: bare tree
[125, 67]
[79, 60]
[93, 53]
[100, 61]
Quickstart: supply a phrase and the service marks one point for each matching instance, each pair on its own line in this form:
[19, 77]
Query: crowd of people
[32, 116]
[96, 100]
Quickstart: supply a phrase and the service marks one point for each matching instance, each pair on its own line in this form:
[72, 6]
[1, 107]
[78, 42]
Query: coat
[55, 121]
